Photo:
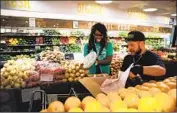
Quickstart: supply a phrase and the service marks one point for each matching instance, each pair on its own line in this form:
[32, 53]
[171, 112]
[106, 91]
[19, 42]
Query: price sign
[46, 77]
[69, 56]
[32, 22]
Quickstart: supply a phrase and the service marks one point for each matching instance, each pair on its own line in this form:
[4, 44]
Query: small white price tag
[32, 22]
[75, 24]
[46, 77]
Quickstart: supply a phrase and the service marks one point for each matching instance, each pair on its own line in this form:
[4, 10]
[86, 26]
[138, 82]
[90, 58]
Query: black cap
[135, 36]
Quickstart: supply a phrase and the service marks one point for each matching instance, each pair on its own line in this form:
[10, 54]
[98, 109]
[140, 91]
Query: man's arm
[158, 69]
[154, 70]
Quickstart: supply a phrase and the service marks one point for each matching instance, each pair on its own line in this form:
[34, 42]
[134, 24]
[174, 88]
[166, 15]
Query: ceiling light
[103, 1]
[173, 14]
[150, 9]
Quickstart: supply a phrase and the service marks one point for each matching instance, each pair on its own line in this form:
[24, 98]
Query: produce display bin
[18, 99]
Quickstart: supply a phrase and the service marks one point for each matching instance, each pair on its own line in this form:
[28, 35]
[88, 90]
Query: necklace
[137, 60]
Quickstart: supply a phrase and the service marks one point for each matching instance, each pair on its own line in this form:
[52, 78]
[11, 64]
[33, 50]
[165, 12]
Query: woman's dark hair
[102, 29]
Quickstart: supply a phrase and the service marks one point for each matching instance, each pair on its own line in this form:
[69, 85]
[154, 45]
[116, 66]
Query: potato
[77, 68]
[73, 71]
[82, 75]
[77, 74]
[72, 75]
[73, 67]
[80, 71]
[70, 70]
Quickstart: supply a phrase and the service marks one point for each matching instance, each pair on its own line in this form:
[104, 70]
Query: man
[147, 65]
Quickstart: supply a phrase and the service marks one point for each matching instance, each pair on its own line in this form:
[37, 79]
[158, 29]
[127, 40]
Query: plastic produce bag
[110, 85]
[89, 60]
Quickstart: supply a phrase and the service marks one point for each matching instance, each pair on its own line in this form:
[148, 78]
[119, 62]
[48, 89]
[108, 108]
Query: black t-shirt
[147, 59]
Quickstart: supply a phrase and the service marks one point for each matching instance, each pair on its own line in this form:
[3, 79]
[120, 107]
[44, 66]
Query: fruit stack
[47, 40]
[53, 56]
[50, 72]
[39, 40]
[22, 41]
[74, 71]
[64, 40]
[72, 40]
[55, 41]
[20, 57]
[115, 66]
[33, 78]
[13, 41]
[30, 40]
[14, 73]
[153, 98]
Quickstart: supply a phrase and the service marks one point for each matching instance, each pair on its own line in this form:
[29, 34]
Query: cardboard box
[92, 84]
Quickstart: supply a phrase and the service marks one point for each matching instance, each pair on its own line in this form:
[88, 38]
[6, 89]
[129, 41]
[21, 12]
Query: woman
[98, 42]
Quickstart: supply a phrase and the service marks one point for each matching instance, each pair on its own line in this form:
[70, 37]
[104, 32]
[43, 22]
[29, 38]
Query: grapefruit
[132, 110]
[93, 106]
[72, 102]
[113, 96]
[56, 106]
[172, 93]
[137, 86]
[120, 110]
[43, 110]
[105, 109]
[165, 102]
[115, 105]
[144, 94]
[86, 100]
[76, 109]
[163, 87]
[131, 101]
[147, 104]
[172, 85]
[154, 91]
[103, 99]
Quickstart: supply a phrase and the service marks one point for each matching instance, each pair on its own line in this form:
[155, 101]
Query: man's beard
[138, 52]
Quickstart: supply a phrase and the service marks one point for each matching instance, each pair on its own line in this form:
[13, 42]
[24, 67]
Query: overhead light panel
[103, 1]
[173, 15]
[150, 9]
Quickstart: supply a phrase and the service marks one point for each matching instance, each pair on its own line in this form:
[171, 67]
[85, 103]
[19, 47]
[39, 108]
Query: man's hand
[113, 77]
[137, 69]
[131, 75]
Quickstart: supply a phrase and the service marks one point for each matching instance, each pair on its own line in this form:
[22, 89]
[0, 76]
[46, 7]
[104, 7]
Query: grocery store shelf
[36, 45]
[151, 38]
[154, 38]
[27, 35]
[20, 45]
[16, 52]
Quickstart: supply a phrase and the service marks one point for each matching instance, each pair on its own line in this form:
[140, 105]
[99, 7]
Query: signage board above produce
[87, 8]
[14, 4]
[77, 24]
[79, 10]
